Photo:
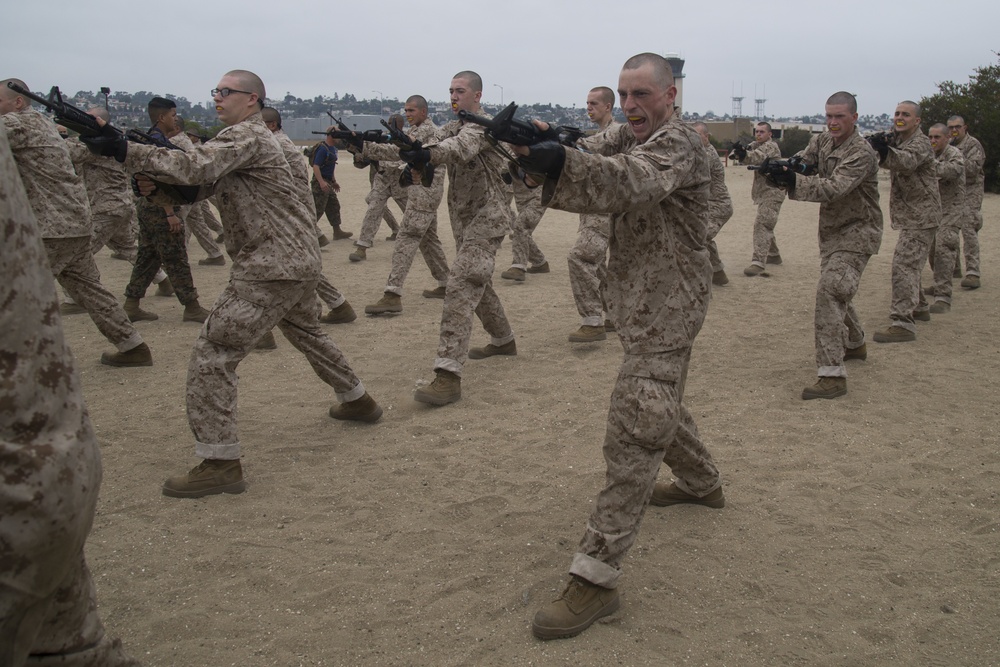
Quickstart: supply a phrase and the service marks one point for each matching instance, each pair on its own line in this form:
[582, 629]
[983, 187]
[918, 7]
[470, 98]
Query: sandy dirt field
[858, 531]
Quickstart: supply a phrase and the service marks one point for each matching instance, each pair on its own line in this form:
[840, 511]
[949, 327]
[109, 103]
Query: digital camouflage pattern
[850, 232]
[276, 265]
[951, 185]
[112, 204]
[659, 284]
[587, 258]
[418, 228]
[480, 218]
[914, 210]
[529, 213]
[49, 459]
[385, 185]
[974, 157]
[720, 206]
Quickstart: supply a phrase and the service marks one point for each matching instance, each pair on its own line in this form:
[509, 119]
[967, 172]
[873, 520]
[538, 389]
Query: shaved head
[250, 82]
[605, 94]
[271, 115]
[662, 72]
[8, 94]
[913, 105]
[474, 80]
[843, 97]
[417, 101]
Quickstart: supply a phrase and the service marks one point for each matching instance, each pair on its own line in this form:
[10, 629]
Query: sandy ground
[859, 531]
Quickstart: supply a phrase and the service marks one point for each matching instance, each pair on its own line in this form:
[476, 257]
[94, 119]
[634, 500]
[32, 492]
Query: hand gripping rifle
[402, 141]
[188, 193]
[782, 172]
[86, 125]
[505, 128]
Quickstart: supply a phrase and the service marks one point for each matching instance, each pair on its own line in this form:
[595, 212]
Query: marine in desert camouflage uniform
[951, 186]
[652, 176]
[850, 232]
[587, 258]
[480, 218]
[527, 256]
[162, 242]
[59, 202]
[720, 205]
[385, 186]
[418, 228]
[341, 311]
[768, 199]
[915, 211]
[975, 180]
[271, 239]
[49, 459]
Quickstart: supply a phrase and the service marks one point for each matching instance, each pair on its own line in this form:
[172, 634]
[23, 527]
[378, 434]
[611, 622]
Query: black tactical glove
[738, 152]
[416, 157]
[406, 177]
[782, 178]
[880, 142]
[546, 158]
[109, 143]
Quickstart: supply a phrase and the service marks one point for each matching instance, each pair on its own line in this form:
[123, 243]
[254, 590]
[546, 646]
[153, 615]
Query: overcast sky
[794, 54]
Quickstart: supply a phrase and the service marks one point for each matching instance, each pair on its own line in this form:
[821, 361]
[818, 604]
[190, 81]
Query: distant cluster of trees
[978, 103]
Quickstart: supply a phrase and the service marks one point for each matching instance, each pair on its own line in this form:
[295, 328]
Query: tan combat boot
[193, 312]
[446, 388]
[587, 334]
[541, 268]
[825, 388]
[212, 261]
[491, 350]
[719, 278]
[267, 342]
[513, 273]
[360, 254]
[894, 334]
[140, 355]
[389, 303]
[137, 314]
[209, 477]
[665, 495]
[580, 604]
[342, 314]
[856, 353]
[364, 409]
[436, 293]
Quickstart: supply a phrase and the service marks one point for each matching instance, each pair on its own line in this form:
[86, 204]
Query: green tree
[793, 140]
[978, 102]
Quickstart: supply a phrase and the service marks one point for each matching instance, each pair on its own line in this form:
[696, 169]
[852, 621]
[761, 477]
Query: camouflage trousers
[328, 294]
[383, 188]
[970, 234]
[838, 326]
[73, 267]
[117, 232]
[159, 247]
[647, 424]
[204, 226]
[48, 609]
[470, 290]
[944, 251]
[326, 202]
[714, 227]
[245, 311]
[417, 231]
[764, 245]
[526, 252]
[912, 249]
[588, 271]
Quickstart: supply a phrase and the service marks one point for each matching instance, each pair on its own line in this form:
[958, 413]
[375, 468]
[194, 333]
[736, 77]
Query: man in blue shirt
[325, 187]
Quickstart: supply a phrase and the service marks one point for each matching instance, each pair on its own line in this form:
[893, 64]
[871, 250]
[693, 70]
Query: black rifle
[188, 193]
[401, 140]
[794, 164]
[881, 141]
[738, 150]
[352, 137]
[504, 127]
[86, 125]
